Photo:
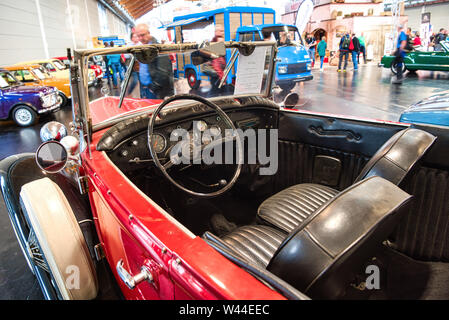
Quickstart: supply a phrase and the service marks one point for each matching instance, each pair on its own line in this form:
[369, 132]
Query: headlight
[309, 66]
[282, 69]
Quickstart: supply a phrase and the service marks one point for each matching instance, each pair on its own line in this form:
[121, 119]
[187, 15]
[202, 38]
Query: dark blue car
[294, 64]
[24, 104]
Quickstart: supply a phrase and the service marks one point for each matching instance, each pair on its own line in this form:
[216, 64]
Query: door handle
[132, 281]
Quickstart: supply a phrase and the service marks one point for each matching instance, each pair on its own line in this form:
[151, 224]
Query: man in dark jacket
[344, 51]
[438, 38]
[354, 48]
[156, 78]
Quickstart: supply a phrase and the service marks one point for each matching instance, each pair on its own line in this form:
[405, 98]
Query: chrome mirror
[208, 51]
[291, 100]
[53, 130]
[145, 55]
[51, 156]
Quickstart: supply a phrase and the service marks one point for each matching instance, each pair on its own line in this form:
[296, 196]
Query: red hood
[106, 108]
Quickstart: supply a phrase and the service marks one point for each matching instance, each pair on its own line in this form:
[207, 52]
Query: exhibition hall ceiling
[137, 8]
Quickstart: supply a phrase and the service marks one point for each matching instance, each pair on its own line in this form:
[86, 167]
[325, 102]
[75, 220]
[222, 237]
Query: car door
[3, 113]
[129, 248]
[326, 149]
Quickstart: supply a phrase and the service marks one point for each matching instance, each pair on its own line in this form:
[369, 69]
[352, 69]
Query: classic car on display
[36, 75]
[421, 60]
[98, 71]
[58, 69]
[25, 104]
[226, 197]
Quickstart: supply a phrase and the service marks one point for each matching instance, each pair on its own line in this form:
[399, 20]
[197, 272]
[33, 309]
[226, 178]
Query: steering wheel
[176, 159]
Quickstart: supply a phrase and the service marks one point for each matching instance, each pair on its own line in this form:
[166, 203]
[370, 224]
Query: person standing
[409, 45]
[354, 48]
[156, 77]
[321, 48]
[215, 68]
[344, 51]
[134, 78]
[106, 64]
[362, 48]
[114, 62]
[417, 40]
[400, 54]
[438, 38]
[311, 45]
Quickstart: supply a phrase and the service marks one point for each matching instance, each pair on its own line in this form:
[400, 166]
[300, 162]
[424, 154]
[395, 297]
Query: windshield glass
[284, 35]
[7, 80]
[192, 72]
[59, 64]
[41, 75]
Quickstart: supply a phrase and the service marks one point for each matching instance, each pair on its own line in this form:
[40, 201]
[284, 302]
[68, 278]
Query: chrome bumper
[50, 109]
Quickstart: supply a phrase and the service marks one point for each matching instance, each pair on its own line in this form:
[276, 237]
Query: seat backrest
[322, 256]
[398, 155]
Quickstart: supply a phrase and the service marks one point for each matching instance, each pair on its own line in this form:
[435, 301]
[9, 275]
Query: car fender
[19, 169]
[21, 103]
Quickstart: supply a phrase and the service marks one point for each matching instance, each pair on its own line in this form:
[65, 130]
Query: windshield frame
[81, 110]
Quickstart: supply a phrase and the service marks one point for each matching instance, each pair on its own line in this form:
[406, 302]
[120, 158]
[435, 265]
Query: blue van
[293, 62]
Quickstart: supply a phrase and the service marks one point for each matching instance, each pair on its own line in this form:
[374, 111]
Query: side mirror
[291, 100]
[51, 156]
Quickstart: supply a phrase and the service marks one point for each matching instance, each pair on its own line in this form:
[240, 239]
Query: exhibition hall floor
[366, 93]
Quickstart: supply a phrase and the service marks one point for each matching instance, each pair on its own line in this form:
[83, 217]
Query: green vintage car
[421, 60]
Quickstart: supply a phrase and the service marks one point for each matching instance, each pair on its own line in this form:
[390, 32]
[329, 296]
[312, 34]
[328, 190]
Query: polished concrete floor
[366, 93]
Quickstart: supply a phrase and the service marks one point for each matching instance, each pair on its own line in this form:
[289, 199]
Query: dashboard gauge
[159, 142]
[215, 131]
[201, 125]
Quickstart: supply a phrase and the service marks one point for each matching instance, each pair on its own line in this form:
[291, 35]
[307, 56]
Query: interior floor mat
[402, 277]
[220, 226]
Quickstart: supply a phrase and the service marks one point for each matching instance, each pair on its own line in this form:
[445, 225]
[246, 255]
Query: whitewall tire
[60, 241]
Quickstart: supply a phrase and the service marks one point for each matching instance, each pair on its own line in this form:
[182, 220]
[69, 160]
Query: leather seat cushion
[255, 243]
[290, 207]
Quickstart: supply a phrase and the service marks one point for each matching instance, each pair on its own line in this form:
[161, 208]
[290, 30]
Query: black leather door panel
[356, 137]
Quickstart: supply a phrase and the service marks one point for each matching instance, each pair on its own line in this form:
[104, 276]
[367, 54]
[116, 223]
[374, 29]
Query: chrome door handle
[132, 281]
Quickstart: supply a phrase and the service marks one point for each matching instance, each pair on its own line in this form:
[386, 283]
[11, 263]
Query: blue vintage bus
[243, 24]
[200, 26]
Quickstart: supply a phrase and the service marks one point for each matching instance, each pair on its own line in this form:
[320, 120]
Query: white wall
[21, 36]
[439, 16]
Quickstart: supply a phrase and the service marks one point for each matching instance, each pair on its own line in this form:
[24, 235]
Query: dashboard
[133, 152]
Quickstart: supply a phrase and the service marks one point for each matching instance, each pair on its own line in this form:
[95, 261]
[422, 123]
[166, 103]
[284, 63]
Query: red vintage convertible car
[227, 195]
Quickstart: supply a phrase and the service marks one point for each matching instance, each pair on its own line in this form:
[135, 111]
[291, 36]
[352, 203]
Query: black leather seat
[321, 256]
[290, 207]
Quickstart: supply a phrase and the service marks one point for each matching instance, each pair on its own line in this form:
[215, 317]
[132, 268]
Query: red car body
[182, 264]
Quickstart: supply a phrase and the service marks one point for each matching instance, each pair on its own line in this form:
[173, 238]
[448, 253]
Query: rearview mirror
[51, 156]
[208, 52]
[145, 55]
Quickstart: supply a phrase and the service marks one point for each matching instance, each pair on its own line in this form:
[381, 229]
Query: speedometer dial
[159, 142]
